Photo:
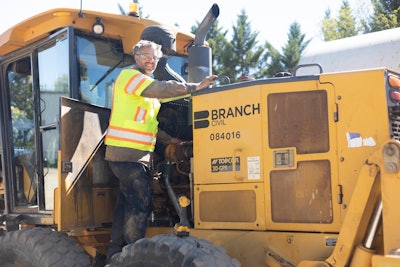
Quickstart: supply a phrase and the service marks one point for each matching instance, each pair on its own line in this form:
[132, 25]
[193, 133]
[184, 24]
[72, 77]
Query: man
[131, 138]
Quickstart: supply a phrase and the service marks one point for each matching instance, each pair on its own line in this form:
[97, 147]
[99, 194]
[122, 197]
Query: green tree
[271, 62]
[294, 47]
[61, 84]
[21, 98]
[342, 26]
[241, 55]
[386, 15]
[329, 27]
[22, 109]
[274, 62]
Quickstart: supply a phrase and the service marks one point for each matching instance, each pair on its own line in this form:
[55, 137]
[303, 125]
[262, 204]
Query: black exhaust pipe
[200, 54]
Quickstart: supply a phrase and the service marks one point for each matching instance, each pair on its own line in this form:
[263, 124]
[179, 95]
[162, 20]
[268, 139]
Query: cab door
[34, 80]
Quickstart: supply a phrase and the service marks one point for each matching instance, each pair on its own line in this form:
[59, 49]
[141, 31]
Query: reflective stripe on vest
[135, 83]
[131, 136]
[140, 115]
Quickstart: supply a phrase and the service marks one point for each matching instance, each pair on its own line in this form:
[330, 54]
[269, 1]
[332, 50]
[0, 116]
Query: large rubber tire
[40, 247]
[172, 251]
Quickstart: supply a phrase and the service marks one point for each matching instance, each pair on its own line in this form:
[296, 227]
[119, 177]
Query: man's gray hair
[145, 43]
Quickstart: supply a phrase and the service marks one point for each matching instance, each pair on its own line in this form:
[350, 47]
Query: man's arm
[167, 89]
[166, 139]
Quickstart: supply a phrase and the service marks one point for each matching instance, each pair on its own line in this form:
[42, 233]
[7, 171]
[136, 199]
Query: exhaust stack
[199, 54]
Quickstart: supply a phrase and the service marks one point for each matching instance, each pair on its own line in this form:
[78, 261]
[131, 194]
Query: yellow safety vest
[133, 121]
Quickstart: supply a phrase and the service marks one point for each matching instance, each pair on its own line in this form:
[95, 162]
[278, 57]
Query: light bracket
[98, 27]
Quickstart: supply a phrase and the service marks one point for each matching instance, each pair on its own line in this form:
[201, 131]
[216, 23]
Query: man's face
[146, 60]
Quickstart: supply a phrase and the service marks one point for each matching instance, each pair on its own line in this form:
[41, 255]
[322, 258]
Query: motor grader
[286, 171]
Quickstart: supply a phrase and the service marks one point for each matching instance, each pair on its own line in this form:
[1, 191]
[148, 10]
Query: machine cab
[54, 62]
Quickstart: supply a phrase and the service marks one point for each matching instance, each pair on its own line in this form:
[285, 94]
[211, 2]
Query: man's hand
[206, 82]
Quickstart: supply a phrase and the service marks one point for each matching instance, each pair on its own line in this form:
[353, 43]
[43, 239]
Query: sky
[271, 19]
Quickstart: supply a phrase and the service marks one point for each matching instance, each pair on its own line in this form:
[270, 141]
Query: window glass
[53, 67]
[23, 130]
[179, 65]
[100, 61]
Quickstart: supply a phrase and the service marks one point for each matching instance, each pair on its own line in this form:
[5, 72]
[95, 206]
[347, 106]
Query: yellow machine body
[291, 171]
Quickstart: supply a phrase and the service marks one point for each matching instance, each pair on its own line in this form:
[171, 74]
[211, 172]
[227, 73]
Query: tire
[41, 247]
[172, 251]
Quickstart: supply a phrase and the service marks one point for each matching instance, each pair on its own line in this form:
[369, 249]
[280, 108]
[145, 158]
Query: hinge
[66, 166]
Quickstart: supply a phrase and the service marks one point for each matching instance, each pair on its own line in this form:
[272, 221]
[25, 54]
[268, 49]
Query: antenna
[80, 14]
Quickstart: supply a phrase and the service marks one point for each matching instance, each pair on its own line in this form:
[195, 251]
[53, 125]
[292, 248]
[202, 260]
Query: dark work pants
[133, 205]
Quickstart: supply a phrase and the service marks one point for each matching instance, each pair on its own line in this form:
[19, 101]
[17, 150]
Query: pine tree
[241, 55]
[343, 26]
[386, 15]
[216, 39]
[275, 63]
[294, 47]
